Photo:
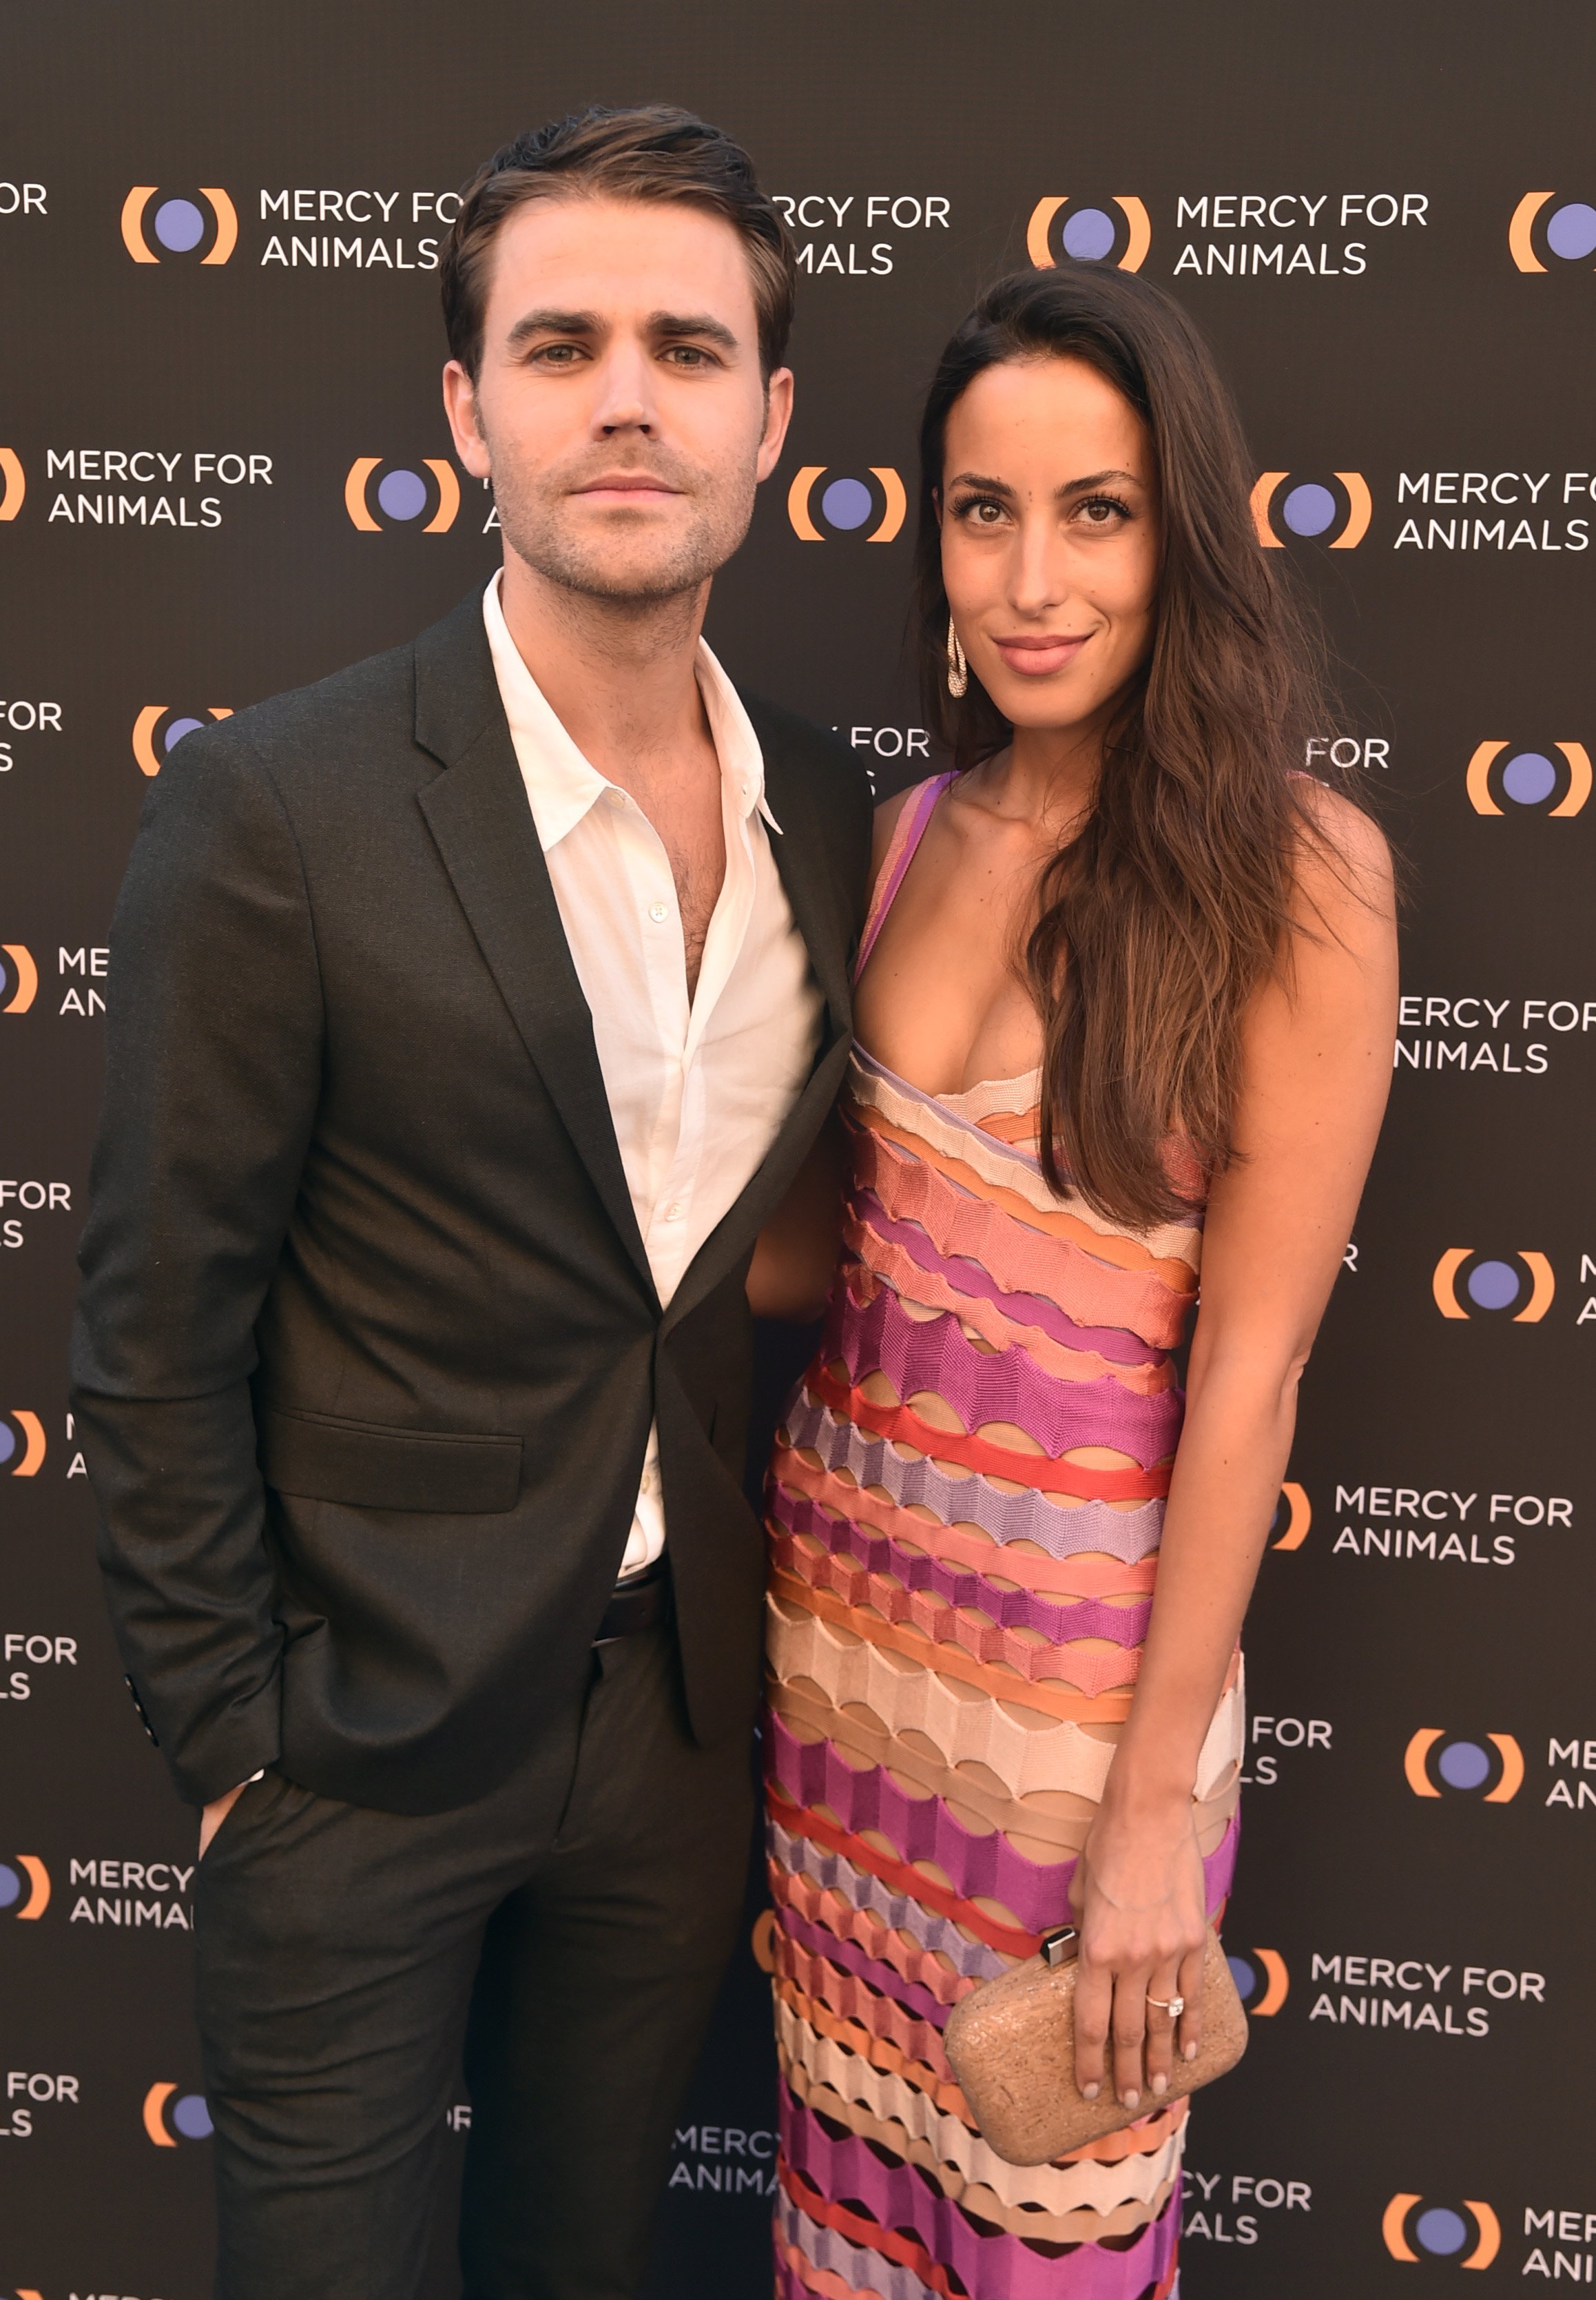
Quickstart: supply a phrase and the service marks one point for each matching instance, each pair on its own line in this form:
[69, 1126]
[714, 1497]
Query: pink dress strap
[908, 831]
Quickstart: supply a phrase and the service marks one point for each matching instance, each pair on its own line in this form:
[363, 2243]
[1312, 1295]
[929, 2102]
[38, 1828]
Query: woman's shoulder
[886, 823]
[1343, 873]
[1340, 837]
[893, 811]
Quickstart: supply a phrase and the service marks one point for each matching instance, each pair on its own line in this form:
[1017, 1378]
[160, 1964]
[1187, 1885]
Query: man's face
[618, 408]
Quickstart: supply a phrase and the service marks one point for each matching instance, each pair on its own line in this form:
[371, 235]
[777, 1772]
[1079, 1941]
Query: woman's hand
[1139, 1905]
[795, 1254]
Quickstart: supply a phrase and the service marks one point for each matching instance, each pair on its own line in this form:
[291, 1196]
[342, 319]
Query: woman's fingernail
[1191, 2052]
[1091, 2091]
[1161, 2084]
[1130, 2099]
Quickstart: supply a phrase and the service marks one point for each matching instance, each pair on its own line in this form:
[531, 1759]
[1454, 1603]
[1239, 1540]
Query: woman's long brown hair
[1169, 908]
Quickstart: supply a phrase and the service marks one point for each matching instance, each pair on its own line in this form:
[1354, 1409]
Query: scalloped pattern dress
[964, 1509]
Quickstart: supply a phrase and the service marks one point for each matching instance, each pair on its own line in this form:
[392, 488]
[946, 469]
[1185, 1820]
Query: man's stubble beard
[534, 523]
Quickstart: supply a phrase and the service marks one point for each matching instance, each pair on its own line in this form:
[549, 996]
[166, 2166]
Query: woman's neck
[1047, 776]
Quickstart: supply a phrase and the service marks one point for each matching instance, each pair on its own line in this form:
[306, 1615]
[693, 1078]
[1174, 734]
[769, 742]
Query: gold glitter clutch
[1010, 2044]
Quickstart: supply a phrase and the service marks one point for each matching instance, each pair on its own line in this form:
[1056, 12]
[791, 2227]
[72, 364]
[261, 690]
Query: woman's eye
[1103, 510]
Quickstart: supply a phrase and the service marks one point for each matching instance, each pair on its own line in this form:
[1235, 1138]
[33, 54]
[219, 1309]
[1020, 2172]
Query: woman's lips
[1036, 658]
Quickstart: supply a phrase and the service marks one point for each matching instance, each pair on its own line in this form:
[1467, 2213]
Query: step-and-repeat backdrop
[224, 471]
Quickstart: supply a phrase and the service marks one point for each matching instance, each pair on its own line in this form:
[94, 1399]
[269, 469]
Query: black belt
[639, 1602]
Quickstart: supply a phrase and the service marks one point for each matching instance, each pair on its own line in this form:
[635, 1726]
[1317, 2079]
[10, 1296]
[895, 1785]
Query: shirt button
[673, 1211]
[659, 913]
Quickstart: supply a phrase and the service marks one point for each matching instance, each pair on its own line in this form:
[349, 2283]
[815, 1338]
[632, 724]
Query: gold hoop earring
[958, 667]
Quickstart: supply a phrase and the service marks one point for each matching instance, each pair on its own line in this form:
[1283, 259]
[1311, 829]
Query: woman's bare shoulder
[1344, 855]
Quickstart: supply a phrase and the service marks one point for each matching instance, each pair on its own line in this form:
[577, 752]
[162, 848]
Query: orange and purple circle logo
[1548, 233]
[24, 1887]
[19, 978]
[1088, 227]
[830, 503]
[172, 2115]
[1293, 1515]
[1263, 1981]
[161, 227]
[1439, 1763]
[161, 727]
[1467, 1283]
[1550, 779]
[380, 494]
[1416, 2229]
[23, 1446]
[1332, 508]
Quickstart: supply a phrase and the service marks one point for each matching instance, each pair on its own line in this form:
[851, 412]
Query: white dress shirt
[698, 1090]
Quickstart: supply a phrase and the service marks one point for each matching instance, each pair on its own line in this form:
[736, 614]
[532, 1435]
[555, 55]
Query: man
[474, 1010]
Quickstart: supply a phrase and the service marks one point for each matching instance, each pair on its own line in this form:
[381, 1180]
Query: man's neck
[621, 675]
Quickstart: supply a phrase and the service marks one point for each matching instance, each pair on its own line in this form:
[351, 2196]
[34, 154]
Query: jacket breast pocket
[441, 1472]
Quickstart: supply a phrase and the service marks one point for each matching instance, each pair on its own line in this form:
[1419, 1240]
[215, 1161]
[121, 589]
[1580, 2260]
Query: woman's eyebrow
[1097, 480]
[1067, 487]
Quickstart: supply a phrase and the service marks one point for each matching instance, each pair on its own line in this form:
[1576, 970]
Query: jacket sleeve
[213, 1064]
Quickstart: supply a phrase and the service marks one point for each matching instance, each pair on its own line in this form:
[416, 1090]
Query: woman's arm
[1316, 1053]
[795, 1254]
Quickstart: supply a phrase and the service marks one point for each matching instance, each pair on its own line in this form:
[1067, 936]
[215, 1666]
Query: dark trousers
[569, 1930]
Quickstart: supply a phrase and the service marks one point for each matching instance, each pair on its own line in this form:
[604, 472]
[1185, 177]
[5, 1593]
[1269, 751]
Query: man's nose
[624, 401]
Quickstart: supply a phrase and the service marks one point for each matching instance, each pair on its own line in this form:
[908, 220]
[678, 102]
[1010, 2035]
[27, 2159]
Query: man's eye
[687, 355]
[557, 354]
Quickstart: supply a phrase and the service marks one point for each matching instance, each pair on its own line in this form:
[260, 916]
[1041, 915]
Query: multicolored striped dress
[964, 1508]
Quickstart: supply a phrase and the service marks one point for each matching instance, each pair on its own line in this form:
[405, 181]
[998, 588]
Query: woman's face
[1050, 539]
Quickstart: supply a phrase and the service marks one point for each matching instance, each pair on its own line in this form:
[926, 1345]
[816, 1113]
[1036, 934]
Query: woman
[1126, 1000]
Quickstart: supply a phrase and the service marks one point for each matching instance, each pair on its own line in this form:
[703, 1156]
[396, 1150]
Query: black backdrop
[216, 229]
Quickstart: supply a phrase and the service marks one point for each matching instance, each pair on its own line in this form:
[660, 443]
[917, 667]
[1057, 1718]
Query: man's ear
[779, 414]
[460, 404]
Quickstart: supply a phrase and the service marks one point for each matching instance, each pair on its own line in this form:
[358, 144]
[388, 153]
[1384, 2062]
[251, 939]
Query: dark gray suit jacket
[367, 1346]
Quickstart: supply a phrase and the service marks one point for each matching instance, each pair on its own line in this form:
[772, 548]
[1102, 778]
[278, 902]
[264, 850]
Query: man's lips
[628, 487]
[1034, 657]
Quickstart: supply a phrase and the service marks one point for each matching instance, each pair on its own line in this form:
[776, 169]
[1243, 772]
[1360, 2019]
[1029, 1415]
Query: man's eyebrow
[549, 322]
[663, 326]
[692, 323]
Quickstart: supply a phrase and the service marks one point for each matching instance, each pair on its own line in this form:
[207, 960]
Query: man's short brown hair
[647, 152]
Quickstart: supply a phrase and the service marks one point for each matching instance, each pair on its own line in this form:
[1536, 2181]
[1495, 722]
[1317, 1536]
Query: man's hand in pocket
[217, 1812]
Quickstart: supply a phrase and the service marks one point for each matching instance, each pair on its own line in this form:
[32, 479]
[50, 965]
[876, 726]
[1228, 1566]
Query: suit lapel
[482, 825]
